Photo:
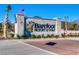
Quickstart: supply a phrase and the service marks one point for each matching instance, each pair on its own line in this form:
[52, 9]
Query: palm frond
[8, 8]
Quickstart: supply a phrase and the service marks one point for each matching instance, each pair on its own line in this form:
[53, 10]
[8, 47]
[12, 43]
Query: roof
[20, 14]
[37, 17]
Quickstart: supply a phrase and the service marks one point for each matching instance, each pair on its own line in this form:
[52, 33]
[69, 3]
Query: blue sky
[42, 10]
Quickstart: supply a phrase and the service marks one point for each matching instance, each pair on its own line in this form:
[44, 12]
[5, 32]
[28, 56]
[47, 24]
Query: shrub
[22, 37]
[52, 35]
[72, 35]
[33, 36]
[56, 36]
[48, 36]
[43, 36]
[63, 35]
[38, 36]
[18, 37]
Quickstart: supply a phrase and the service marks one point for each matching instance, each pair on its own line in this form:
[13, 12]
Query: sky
[43, 10]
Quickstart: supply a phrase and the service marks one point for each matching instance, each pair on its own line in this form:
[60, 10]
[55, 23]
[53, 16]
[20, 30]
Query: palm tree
[5, 20]
[66, 24]
[1, 28]
[75, 26]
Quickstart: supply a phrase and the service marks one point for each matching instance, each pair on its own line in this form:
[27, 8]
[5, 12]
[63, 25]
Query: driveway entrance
[16, 47]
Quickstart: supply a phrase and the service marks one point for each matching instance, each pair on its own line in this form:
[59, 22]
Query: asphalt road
[62, 47]
[16, 47]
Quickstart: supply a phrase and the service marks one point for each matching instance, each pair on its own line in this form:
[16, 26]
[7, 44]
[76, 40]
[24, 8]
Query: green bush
[33, 36]
[48, 36]
[52, 35]
[18, 37]
[43, 36]
[22, 37]
[72, 35]
[38, 36]
[62, 35]
[56, 36]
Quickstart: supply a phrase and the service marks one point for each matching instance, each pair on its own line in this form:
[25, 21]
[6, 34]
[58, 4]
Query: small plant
[72, 35]
[56, 36]
[33, 36]
[63, 35]
[25, 37]
[43, 36]
[38, 36]
[22, 37]
[18, 36]
[52, 35]
[48, 36]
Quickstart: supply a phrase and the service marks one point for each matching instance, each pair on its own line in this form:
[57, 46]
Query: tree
[8, 8]
[10, 27]
[1, 29]
[5, 20]
[75, 26]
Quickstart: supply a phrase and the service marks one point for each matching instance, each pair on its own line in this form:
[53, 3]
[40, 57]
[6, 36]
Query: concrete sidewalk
[16, 47]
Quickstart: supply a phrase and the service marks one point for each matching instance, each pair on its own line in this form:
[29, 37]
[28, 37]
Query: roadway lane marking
[52, 53]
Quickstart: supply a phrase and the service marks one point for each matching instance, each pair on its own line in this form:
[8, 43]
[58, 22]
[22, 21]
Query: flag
[21, 10]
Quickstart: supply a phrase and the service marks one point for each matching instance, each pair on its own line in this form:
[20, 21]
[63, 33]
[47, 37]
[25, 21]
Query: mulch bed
[7, 38]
